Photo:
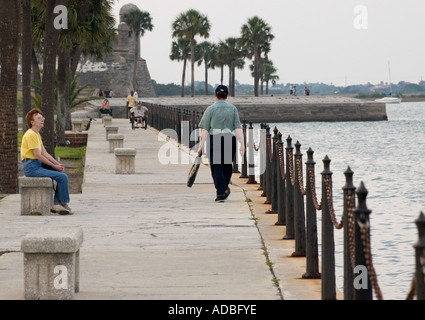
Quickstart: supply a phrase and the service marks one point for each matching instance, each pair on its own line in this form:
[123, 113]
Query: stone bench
[52, 262]
[125, 160]
[36, 195]
[110, 130]
[77, 125]
[115, 141]
[107, 120]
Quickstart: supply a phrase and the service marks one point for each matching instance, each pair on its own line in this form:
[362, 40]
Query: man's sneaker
[68, 208]
[226, 193]
[59, 209]
[220, 198]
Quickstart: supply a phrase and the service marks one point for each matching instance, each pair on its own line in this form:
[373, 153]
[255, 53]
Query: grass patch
[62, 152]
[70, 153]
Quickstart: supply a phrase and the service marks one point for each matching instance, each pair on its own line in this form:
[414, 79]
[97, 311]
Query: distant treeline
[362, 90]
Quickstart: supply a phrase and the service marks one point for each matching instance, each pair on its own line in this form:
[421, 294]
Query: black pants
[221, 152]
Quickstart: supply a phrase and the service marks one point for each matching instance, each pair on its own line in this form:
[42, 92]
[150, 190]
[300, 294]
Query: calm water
[388, 157]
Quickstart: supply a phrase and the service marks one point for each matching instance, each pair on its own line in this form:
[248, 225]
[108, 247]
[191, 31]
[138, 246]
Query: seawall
[280, 108]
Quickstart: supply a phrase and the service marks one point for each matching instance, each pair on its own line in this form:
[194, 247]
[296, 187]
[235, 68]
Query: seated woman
[105, 107]
[34, 155]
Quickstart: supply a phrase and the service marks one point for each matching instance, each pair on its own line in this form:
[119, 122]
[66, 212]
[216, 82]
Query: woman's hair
[221, 92]
[30, 116]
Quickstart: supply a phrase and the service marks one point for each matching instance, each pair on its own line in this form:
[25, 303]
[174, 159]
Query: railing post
[268, 182]
[251, 166]
[244, 163]
[289, 195]
[348, 220]
[312, 251]
[420, 258]
[273, 171]
[280, 174]
[328, 247]
[299, 219]
[262, 142]
[361, 217]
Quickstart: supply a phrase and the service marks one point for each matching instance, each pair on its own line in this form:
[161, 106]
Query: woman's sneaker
[68, 208]
[59, 209]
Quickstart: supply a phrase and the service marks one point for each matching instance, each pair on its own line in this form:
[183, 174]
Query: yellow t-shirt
[31, 140]
[131, 100]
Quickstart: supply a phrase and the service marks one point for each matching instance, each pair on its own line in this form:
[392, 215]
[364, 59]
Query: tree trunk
[9, 17]
[75, 59]
[36, 72]
[230, 78]
[183, 76]
[26, 60]
[192, 64]
[136, 59]
[256, 70]
[206, 78]
[63, 96]
[51, 40]
[232, 94]
[222, 74]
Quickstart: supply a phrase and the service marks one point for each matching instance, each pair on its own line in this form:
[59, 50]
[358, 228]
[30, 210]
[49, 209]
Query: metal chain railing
[365, 236]
[300, 177]
[329, 198]
[281, 164]
[313, 189]
[291, 168]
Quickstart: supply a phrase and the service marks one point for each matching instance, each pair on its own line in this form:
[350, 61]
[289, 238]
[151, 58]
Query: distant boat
[389, 98]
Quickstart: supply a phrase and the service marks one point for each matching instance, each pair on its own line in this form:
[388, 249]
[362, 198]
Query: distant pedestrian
[107, 92]
[221, 127]
[306, 91]
[131, 102]
[291, 90]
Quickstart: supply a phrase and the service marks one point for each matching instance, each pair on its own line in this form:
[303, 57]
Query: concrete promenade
[149, 236]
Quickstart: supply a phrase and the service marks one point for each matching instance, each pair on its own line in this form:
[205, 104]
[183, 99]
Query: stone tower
[116, 69]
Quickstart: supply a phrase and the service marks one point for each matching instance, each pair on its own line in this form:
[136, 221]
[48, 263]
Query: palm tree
[255, 34]
[221, 58]
[188, 25]
[90, 32]
[267, 73]
[235, 59]
[180, 51]
[9, 28]
[26, 48]
[50, 50]
[139, 22]
[207, 52]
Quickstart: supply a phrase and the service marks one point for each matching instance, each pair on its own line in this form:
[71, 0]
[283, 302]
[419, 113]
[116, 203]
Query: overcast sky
[330, 41]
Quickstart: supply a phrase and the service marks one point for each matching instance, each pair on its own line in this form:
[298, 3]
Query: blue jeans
[33, 168]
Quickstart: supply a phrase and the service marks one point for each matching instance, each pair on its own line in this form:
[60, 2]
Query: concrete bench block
[110, 130]
[77, 125]
[52, 262]
[125, 160]
[115, 141]
[107, 120]
[36, 195]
